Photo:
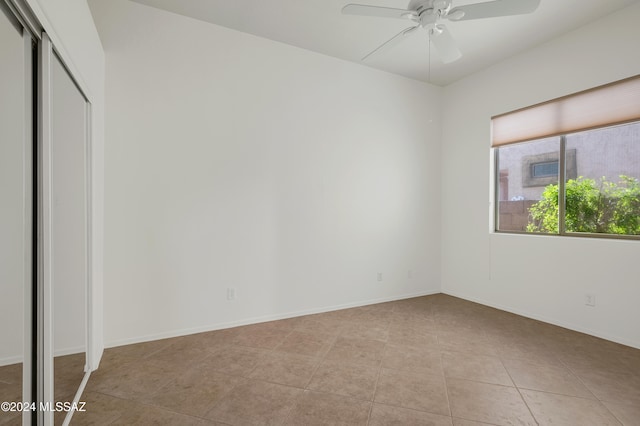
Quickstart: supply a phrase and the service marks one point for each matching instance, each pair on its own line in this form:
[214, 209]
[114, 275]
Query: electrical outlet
[409, 274]
[231, 293]
[590, 299]
[379, 276]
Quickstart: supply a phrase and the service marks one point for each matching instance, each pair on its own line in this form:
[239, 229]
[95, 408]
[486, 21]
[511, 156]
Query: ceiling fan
[429, 14]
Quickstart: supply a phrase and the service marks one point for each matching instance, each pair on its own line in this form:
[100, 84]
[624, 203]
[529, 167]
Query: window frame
[562, 178]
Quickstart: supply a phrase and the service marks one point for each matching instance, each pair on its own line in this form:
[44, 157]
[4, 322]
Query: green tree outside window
[591, 206]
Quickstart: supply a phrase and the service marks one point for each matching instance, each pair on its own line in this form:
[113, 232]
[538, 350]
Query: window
[599, 192]
[522, 189]
[549, 168]
[605, 197]
[570, 175]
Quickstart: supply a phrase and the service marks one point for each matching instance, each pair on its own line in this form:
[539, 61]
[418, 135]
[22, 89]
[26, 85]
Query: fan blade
[393, 41]
[444, 44]
[382, 12]
[415, 4]
[494, 8]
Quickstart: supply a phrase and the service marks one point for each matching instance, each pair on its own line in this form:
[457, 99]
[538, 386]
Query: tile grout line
[519, 392]
[565, 365]
[267, 353]
[147, 405]
[375, 386]
[444, 376]
[590, 391]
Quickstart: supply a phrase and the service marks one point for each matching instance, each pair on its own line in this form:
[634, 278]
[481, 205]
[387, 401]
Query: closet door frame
[30, 234]
[45, 330]
[44, 333]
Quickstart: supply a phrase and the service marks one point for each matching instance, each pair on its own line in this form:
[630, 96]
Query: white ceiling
[318, 25]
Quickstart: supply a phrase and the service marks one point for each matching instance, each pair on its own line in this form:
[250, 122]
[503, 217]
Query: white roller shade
[607, 105]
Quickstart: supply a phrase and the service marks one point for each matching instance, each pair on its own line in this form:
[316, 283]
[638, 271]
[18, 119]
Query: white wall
[235, 161]
[490, 268]
[70, 26]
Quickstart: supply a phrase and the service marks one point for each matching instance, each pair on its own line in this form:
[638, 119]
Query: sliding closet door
[63, 218]
[43, 296]
[68, 231]
[15, 214]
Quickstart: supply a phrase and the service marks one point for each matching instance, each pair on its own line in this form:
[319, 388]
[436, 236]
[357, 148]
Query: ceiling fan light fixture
[436, 30]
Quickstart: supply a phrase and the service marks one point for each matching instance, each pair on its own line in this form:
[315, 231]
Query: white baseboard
[265, 318]
[553, 321]
[69, 351]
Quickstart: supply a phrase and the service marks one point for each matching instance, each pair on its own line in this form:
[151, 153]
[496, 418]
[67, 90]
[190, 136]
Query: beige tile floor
[10, 390]
[68, 373]
[433, 360]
